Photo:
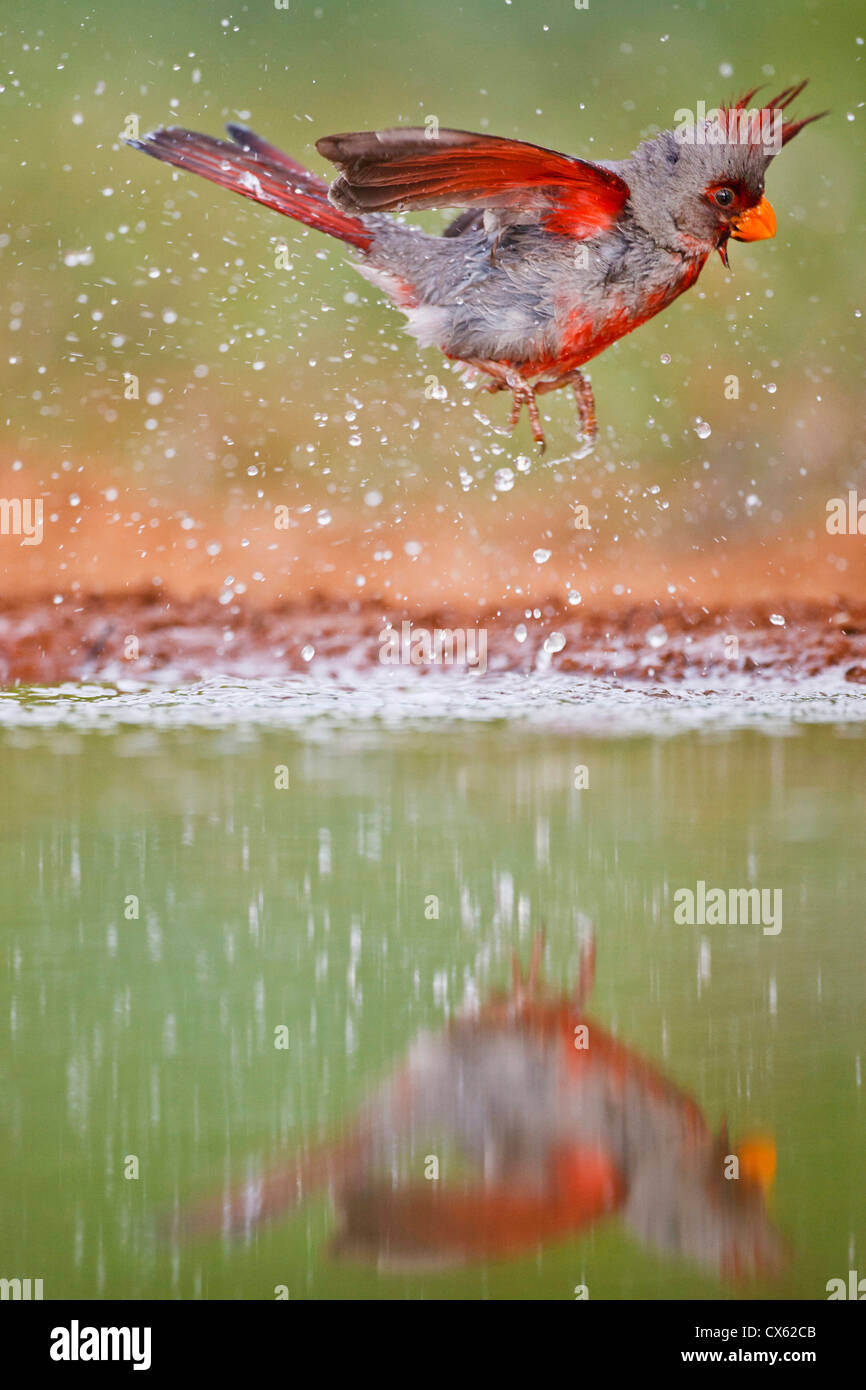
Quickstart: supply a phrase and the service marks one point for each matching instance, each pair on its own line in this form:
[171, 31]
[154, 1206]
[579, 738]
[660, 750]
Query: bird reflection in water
[523, 1124]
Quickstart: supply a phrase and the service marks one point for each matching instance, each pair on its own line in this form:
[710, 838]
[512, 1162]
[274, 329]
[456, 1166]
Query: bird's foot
[585, 405]
[501, 377]
[586, 410]
[524, 395]
[492, 384]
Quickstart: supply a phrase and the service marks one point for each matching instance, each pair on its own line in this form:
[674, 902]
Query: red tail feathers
[257, 170]
[265, 1195]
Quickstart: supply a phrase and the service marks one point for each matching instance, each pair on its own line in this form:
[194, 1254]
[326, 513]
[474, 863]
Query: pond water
[184, 884]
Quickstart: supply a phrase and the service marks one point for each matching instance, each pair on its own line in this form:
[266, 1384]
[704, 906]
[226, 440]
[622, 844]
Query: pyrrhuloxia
[554, 259]
[547, 1124]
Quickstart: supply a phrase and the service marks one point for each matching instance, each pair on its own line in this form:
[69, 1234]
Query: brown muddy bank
[148, 636]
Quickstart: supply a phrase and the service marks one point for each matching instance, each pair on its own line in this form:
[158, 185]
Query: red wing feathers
[424, 1224]
[393, 169]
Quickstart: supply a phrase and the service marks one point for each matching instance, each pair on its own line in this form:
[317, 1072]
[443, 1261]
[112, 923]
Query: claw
[524, 395]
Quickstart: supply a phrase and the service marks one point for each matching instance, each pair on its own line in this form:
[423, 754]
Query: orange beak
[757, 224]
[757, 1155]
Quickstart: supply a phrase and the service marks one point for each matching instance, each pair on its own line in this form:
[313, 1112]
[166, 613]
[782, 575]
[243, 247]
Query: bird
[552, 257]
[546, 1123]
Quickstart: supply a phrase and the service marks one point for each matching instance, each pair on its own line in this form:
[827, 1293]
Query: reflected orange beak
[758, 224]
[757, 1153]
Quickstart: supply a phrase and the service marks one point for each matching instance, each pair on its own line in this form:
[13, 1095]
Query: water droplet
[308, 652]
[574, 597]
[554, 643]
[777, 620]
[541, 557]
[702, 429]
[323, 518]
[665, 358]
[522, 463]
[520, 632]
[503, 480]
[771, 387]
[657, 636]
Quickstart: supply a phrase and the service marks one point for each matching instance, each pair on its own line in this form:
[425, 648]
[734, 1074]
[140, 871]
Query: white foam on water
[314, 705]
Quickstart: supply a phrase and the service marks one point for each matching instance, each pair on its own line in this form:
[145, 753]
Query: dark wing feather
[388, 170]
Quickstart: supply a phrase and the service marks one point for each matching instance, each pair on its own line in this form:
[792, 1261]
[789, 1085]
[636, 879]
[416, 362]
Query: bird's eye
[723, 197]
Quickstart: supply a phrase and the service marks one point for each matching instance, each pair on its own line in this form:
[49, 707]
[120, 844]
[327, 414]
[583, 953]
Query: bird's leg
[505, 378]
[585, 407]
[524, 395]
[584, 397]
[492, 384]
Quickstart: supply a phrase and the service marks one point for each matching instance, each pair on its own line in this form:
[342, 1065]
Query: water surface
[258, 907]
